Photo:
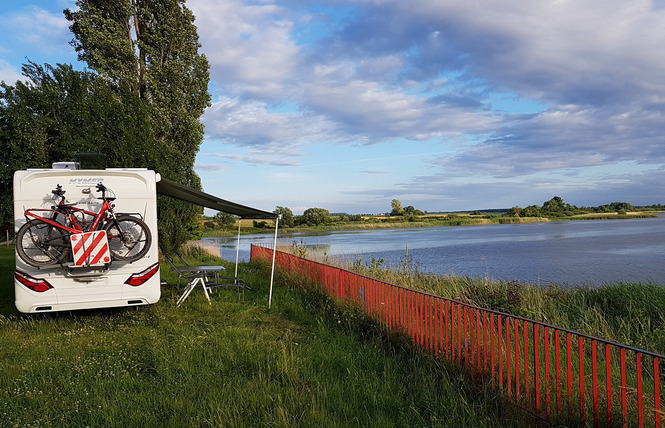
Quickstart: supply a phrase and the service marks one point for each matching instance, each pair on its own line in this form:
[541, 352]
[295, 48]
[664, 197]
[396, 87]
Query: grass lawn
[230, 363]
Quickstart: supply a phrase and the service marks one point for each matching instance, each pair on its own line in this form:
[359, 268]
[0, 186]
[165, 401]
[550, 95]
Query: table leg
[189, 289]
[205, 290]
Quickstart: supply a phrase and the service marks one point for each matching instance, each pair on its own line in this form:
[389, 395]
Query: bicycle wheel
[40, 244]
[129, 238]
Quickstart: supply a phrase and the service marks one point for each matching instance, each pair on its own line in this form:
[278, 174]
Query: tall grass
[632, 314]
[230, 363]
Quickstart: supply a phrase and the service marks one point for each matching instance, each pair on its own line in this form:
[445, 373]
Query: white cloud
[36, 30]
[248, 46]
[257, 158]
[8, 74]
[291, 78]
[249, 123]
[209, 167]
[599, 70]
[422, 71]
[563, 51]
[375, 113]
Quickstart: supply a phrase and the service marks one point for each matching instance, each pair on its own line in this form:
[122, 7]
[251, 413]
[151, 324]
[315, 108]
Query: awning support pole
[274, 251]
[238, 247]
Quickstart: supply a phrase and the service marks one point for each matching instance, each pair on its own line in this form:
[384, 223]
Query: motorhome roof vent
[66, 165]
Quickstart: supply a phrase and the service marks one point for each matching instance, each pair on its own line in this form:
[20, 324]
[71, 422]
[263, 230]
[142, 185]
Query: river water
[592, 252]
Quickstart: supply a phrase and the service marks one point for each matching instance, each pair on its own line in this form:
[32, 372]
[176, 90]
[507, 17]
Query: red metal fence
[555, 371]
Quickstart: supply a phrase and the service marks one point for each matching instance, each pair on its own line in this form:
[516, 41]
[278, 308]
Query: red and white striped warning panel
[90, 249]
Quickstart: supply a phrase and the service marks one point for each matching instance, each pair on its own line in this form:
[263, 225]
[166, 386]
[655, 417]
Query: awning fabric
[197, 197]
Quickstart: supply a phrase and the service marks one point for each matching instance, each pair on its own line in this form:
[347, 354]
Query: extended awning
[197, 197]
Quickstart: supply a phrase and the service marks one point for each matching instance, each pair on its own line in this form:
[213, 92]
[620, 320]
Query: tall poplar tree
[150, 48]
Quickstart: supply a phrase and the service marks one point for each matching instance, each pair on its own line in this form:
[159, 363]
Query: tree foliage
[150, 48]
[139, 103]
[398, 210]
[396, 207]
[556, 207]
[411, 211]
[225, 220]
[288, 220]
[616, 207]
[315, 216]
[59, 112]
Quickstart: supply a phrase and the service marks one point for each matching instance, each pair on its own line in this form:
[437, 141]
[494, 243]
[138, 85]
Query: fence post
[594, 381]
[492, 346]
[656, 392]
[485, 342]
[466, 340]
[536, 364]
[608, 382]
[624, 391]
[638, 373]
[517, 360]
[546, 345]
[499, 345]
[525, 344]
[557, 350]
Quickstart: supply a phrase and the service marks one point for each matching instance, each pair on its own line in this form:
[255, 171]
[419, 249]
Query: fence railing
[551, 370]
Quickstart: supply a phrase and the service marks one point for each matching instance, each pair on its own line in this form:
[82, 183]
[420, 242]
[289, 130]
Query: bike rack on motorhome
[67, 285]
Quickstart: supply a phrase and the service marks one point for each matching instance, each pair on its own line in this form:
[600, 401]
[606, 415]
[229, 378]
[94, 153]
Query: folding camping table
[201, 275]
[198, 275]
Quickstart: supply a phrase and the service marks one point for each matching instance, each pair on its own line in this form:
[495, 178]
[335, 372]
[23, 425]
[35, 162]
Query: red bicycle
[44, 241]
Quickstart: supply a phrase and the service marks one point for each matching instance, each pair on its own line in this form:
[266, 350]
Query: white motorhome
[68, 285]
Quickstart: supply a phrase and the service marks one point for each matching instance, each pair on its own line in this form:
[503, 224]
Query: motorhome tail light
[140, 278]
[38, 285]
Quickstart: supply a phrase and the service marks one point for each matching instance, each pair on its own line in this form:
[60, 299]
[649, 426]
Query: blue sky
[445, 105]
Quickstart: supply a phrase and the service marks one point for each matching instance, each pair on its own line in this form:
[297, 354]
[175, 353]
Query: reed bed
[632, 314]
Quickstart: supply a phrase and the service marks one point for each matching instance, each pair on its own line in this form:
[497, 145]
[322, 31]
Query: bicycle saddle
[64, 205]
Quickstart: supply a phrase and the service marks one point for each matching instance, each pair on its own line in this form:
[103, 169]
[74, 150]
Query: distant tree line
[311, 217]
[556, 207]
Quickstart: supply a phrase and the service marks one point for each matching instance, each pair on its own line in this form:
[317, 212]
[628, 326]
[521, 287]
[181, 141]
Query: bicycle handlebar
[58, 191]
[61, 193]
[105, 190]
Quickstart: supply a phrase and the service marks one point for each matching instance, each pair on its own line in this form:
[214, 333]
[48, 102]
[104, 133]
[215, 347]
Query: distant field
[614, 215]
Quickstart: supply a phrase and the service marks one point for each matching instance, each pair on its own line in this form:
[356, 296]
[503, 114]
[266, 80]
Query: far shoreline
[247, 227]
